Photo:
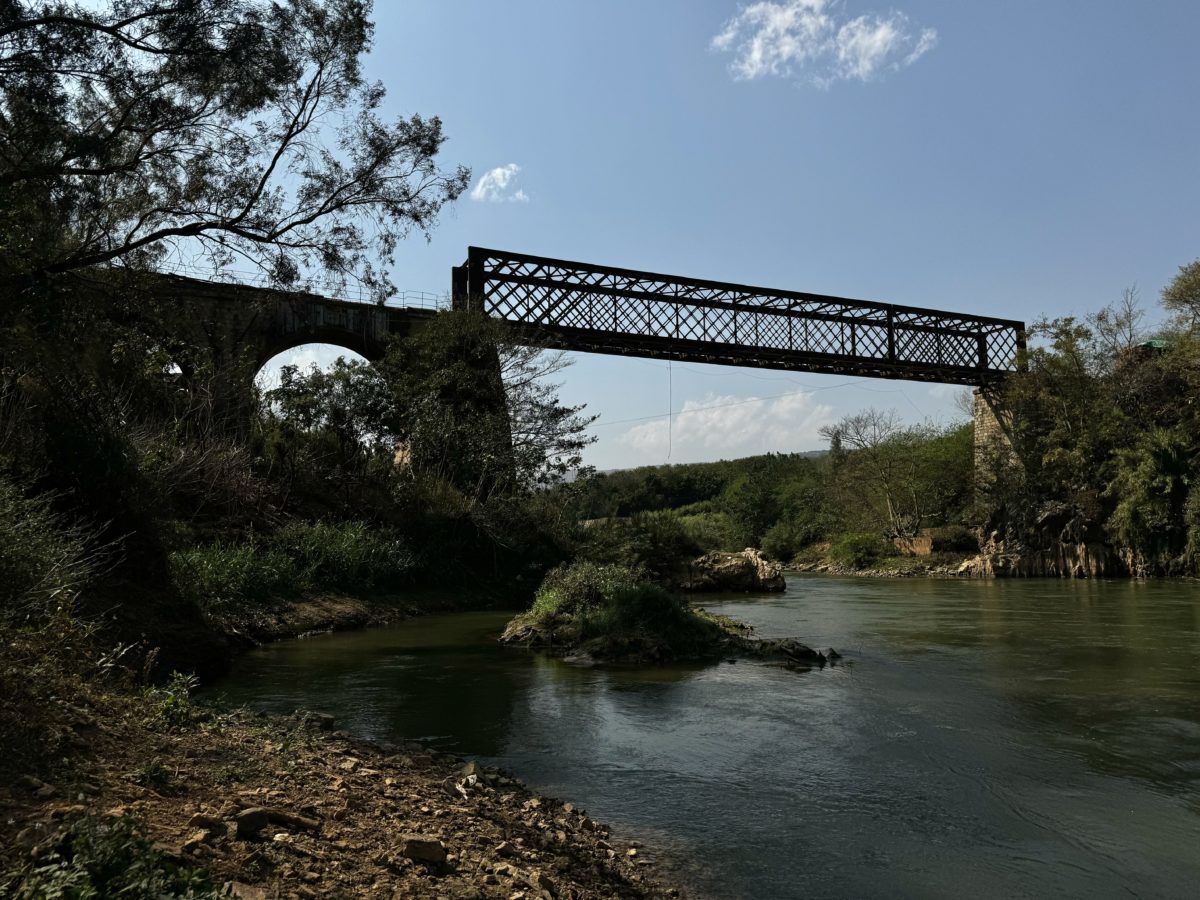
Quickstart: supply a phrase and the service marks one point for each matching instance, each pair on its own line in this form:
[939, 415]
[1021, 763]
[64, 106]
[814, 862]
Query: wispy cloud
[733, 425]
[498, 186]
[815, 41]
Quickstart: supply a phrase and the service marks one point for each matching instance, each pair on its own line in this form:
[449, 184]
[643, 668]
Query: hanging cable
[670, 406]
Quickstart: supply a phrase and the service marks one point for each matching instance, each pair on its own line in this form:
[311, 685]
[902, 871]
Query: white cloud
[494, 186]
[733, 425]
[788, 37]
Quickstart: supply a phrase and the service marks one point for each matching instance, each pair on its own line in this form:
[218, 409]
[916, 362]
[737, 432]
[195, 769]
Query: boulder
[747, 571]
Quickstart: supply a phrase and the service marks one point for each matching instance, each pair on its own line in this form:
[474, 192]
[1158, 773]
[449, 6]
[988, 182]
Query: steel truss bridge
[602, 309]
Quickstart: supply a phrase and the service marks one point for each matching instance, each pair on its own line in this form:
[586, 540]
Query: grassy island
[611, 613]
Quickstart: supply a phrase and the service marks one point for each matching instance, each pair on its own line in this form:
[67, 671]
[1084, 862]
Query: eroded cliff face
[1059, 542]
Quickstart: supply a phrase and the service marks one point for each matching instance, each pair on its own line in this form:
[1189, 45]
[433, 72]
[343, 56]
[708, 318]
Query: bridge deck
[601, 309]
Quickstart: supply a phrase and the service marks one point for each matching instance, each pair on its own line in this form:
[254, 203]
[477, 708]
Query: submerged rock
[747, 571]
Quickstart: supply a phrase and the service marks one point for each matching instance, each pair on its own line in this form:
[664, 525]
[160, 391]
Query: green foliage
[1106, 424]
[1182, 295]
[173, 701]
[345, 556]
[858, 550]
[241, 130]
[712, 531]
[955, 539]
[42, 561]
[227, 574]
[107, 857]
[655, 543]
[645, 610]
[615, 613]
[570, 590]
[152, 774]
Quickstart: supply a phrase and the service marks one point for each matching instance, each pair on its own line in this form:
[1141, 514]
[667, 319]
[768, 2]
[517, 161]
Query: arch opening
[304, 357]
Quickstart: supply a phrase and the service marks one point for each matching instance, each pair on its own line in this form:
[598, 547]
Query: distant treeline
[879, 479]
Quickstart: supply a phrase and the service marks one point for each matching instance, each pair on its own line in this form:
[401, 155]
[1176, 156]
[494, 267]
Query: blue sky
[1012, 159]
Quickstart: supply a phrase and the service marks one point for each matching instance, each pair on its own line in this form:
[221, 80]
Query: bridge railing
[579, 306]
[351, 293]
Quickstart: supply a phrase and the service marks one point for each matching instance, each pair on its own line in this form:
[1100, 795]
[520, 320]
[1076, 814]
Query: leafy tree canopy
[149, 132]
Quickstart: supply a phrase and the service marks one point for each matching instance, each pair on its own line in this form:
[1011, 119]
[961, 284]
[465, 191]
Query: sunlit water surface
[986, 739]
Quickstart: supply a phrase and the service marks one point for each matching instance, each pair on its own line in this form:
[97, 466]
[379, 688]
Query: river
[993, 739]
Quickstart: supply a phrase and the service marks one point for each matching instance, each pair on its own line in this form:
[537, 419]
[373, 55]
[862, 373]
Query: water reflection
[1013, 739]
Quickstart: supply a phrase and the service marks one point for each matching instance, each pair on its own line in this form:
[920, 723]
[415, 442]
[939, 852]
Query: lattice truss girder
[624, 311]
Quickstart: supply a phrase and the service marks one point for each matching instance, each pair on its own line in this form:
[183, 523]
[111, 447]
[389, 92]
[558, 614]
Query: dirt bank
[285, 808]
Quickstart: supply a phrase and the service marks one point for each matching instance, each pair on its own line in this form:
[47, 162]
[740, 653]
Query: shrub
[618, 615]
[349, 556]
[42, 561]
[656, 543]
[224, 574]
[713, 530]
[641, 609]
[955, 539]
[580, 586]
[346, 555]
[108, 858]
[857, 551]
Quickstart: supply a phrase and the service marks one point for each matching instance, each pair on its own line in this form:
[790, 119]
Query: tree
[350, 400]
[147, 132]
[1182, 295]
[905, 476]
[475, 409]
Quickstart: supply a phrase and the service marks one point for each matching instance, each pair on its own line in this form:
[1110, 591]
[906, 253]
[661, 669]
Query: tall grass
[43, 561]
[302, 556]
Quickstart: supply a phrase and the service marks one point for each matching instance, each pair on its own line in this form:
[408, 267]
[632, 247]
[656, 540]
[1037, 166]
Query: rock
[422, 848]
[832, 654]
[244, 891]
[207, 823]
[65, 811]
[320, 721]
[507, 849]
[746, 571]
[542, 881]
[250, 822]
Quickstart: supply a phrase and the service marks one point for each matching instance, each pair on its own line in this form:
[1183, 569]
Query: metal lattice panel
[601, 309]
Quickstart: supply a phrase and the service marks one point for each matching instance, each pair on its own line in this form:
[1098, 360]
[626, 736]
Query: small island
[593, 612]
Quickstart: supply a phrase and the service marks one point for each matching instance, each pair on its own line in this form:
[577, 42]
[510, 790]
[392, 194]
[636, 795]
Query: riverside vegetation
[1101, 475]
[152, 520]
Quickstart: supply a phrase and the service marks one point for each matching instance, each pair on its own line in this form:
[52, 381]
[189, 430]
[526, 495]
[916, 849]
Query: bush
[857, 551]
[42, 561]
[640, 609]
[346, 555]
[955, 539]
[225, 574]
[618, 615]
[712, 530]
[579, 587]
[108, 858]
[657, 543]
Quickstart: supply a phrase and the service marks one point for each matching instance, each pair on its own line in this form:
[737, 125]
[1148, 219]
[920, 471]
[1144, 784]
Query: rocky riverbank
[289, 808]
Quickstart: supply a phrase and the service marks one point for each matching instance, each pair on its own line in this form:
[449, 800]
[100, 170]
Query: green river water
[986, 739]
